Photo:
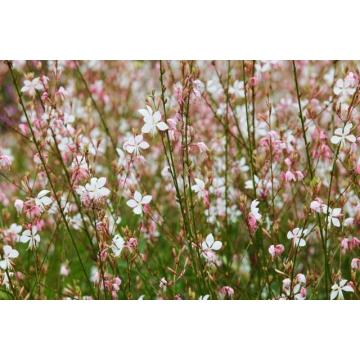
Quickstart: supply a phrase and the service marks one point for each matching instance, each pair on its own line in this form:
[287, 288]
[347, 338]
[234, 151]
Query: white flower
[205, 297]
[138, 202]
[118, 244]
[343, 134]
[338, 289]
[296, 236]
[332, 215]
[31, 237]
[152, 121]
[343, 88]
[242, 165]
[237, 89]
[134, 144]
[210, 243]
[31, 86]
[9, 252]
[255, 211]
[41, 200]
[96, 188]
[199, 187]
[208, 246]
[6, 280]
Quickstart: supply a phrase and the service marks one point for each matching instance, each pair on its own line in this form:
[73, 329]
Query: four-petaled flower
[134, 144]
[96, 188]
[208, 246]
[41, 200]
[332, 215]
[198, 188]
[343, 134]
[31, 237]
[9, 252]
[31, 86]
[118, 244]
[296, 235]
[152, 121]
[338, 289]
[138, 201]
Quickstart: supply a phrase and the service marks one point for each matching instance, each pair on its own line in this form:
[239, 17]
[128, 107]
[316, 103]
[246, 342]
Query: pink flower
[62, 93]
[226, 290]
[19, 204]
[254, 81]
[355, 263]
[275, 251]
[5, 162]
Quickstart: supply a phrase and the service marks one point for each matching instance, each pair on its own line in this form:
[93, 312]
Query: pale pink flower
[62, 93]
[226, 290]
[31, 86]
[134, 144]
[317, 205]
[275, 251]
[5, 162]
[64, 270]
[355, 263]
[343, 88]
[19, 204]
[138, 201]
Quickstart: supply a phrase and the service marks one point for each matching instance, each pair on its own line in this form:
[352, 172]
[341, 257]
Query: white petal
[14, 254]
[351, 138]
[143, 112]
[333, 295]
[3, 263]
[336, 212]
[143, 145]
[137, 196]
[138, 210]
[209, 240]
[348, 288]
[132, 203]
[290, 235]
[104, 192]
[162, 126]
[146, 199]
[138, 139]
[336, 222]
[335, 139]
[146, 128]
[157, 117]
[149, 109]
[46, 200]
[7, 250]
[42, 193]
[216, 245]
[101, 182]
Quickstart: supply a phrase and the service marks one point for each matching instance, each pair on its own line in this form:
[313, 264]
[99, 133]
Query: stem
[48, 175]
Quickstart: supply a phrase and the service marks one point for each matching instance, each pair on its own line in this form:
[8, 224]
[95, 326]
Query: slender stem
[48, 175]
